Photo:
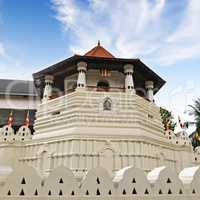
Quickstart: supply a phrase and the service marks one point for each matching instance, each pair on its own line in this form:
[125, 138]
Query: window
[103, 85]
[107, 105]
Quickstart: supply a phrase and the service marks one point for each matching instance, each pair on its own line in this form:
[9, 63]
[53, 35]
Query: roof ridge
[3, 79]
[99, 51]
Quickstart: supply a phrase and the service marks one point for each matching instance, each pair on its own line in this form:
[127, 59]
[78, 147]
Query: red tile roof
[99, 51]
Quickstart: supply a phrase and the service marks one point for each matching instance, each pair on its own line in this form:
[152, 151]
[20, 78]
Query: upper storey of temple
[98, 70]
[100, 95]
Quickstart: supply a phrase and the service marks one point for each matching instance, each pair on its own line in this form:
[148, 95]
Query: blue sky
[163, 33]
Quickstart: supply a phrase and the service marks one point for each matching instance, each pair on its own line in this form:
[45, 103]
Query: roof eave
[18, 94]
[51, 69]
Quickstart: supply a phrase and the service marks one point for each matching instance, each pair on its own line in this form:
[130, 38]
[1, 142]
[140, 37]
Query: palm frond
[196, 110]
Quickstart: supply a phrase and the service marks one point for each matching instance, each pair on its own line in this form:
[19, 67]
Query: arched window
[107, 105]
[103, 85]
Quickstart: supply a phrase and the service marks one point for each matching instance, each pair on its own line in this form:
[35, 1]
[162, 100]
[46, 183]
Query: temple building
[98, 110]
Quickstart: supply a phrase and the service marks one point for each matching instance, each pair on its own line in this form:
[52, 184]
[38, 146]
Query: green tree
[167, 119]
[196, 112]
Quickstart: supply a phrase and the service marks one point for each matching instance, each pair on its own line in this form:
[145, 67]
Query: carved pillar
[129, 84]
[149, 85]
[82, 68]
[48, 88]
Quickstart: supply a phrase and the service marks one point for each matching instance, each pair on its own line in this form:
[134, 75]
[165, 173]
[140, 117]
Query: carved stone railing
[129, 183]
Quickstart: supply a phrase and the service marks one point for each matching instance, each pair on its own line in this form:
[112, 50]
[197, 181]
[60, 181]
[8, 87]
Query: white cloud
[132, 28]
[184, 43]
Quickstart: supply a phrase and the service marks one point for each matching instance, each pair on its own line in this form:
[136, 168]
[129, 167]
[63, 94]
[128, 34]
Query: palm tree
[196, 113]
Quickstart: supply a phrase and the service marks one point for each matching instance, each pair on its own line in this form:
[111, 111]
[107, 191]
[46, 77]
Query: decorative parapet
[165, 181]
[160, 183]
[178, 139]
[191, 179]
[132, 181]
[9, 135]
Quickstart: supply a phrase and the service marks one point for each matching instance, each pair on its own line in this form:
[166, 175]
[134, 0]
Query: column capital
[49, 78]
[149, 84]
[82, 66]
[128, 68]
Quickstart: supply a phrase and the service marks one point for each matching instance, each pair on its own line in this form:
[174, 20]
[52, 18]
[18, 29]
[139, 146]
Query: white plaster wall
[80, 155]
[9, 154]
[85, 109]
[115, 80]
[70, 82]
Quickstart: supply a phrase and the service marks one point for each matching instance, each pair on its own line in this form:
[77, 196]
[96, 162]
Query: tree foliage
[196, 113]
[167, 119]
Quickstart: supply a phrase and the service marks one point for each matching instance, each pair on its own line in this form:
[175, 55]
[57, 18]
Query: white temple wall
[80, 155]
[9, 154]
[86, 109]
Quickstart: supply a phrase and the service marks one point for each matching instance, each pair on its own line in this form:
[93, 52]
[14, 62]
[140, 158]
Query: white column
[81, 82]
[48, 88]
[149, 85]
[129, 84]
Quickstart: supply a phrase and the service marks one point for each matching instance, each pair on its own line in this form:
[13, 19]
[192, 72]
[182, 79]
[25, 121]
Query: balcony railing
[89, 88]
[105, 89]
[95, 89]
